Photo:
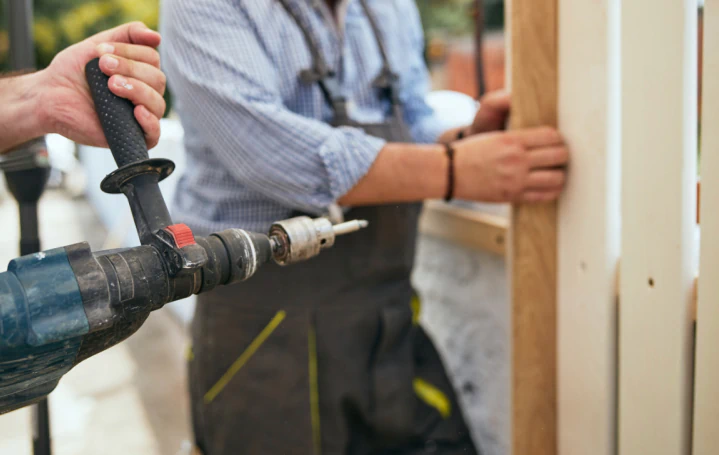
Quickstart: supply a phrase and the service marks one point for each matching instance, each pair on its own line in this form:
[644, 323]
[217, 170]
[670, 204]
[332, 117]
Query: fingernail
[105, 48]
[110, 62]
[121, 82]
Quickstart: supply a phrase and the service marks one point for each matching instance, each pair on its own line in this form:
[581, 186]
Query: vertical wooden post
[588, 232]
[706, 402]
[532, 255]
[659, 134]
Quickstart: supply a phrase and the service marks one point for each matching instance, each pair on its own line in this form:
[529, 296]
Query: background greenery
[455, 17]
[60, 23]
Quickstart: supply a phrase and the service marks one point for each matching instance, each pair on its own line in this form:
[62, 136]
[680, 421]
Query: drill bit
[349, 226]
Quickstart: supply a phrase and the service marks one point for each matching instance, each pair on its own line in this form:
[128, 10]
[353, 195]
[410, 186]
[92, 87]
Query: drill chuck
[301, 238]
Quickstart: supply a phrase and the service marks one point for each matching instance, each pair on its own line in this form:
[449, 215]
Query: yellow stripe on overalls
[433, 397]
[416, 306]
[245, 356]
[314, 390]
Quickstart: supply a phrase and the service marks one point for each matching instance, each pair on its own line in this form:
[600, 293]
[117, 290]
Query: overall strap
[320, 69]
[387, 79]
[326, 78]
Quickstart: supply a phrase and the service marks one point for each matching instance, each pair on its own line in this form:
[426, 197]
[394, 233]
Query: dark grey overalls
[326, 357]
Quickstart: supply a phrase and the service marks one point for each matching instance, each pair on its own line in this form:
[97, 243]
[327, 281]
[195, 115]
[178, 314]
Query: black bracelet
[450, 172]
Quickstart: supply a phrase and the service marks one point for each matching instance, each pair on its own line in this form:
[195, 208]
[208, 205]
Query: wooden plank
[706, 381]
[469, 228]
[588, 231]
[659, 116]
[532, 257]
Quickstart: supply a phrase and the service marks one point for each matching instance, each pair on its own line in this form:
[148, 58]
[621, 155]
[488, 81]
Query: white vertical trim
[659, 82]
[589, 217]
[706, 403]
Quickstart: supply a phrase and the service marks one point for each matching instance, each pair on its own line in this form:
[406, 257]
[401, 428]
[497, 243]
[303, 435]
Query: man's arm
[232, 97]
[19, 101]
[57, 99]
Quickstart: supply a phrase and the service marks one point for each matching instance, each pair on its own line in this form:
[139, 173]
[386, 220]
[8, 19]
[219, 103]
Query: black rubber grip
[124, 135]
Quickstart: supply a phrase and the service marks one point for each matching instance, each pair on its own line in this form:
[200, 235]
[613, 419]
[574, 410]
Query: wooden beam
[706, 381]
[533, 244]
[470, 228]
[659, 131]
[588, 233]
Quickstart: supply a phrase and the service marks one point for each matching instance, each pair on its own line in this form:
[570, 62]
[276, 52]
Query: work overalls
[326, 356]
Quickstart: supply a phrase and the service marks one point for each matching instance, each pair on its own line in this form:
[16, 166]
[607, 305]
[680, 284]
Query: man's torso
[209, 198]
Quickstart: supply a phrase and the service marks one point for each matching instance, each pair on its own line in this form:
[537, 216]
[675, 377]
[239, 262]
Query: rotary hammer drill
[61, 306]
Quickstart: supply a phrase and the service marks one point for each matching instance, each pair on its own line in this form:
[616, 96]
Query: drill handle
[123, 133]
[137, 175]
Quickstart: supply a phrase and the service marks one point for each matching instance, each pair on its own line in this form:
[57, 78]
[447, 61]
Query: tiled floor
[129, 399]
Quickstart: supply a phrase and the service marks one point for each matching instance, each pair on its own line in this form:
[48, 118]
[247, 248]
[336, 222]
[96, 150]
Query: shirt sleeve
[228, 86]
[422, 120]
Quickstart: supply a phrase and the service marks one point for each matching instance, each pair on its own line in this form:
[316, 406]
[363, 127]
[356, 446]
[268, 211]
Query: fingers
[134, 71]
[497, 99]
[133, 32]
[139, 93]
[548, 157]
[115, 65]
[543, 136]
[150, 125]
[545, 180]
[135, 52]
[540, 196]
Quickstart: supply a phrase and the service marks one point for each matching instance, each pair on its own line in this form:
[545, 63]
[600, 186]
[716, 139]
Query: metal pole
[26, 173]
[22, 50]
[478, 48]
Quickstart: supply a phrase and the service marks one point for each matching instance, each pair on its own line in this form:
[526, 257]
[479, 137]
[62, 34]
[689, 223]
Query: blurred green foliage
[60, 23]
[455, 17]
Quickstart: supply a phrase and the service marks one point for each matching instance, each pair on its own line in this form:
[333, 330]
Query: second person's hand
[516, 166]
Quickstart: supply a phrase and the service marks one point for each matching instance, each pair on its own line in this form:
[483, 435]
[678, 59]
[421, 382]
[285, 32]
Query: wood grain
[470, 228]
[533, 244]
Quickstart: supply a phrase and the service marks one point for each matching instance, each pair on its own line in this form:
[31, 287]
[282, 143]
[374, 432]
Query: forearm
[20, 110]
[402, 173]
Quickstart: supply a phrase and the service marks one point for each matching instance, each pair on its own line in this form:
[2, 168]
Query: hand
[516, 166]
[128, 56]
[492, 115]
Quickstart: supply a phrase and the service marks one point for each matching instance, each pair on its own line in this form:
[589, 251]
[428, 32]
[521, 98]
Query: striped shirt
[257, 141]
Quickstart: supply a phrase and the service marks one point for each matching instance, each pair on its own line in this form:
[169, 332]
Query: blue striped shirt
[257, 141]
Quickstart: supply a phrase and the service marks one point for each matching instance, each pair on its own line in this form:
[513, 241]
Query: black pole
[26, 172]
[479, 48]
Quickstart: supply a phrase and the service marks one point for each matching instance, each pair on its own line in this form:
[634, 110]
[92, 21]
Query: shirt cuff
[348, 154]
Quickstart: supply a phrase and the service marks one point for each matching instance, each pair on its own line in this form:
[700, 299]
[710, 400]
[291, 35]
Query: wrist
[449, 153]
[41, 100]
[22, 117]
